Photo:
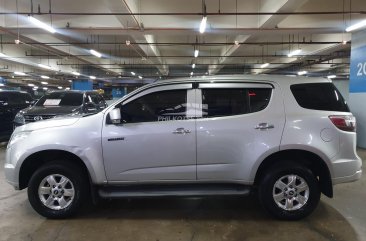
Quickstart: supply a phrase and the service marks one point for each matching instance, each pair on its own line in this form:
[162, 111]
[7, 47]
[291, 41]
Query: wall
[357, 95]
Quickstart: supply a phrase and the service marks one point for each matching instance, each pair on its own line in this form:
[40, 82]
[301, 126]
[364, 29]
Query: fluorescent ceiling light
[192, 73]
[264, 65]
[295, 52]
[41, 24]
[356, 26]
[75, 73]
[44, 83]
[2, 84]
[19, 73]
[193, 66]
[92, 77]
[332, 76]
[44, 77]
[45, 88]
[67, 88]
[302, 72]
[70, 80]
[45, 66]
[59, 87]
[140, 77]
[133, 73]
[95, 53]
[35, 88]
[203, 24]
[31, 85]
[196, 52]
[2, 55]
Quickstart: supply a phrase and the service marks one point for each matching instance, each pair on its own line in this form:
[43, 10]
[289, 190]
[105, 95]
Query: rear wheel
[289, 192]
[57, 189]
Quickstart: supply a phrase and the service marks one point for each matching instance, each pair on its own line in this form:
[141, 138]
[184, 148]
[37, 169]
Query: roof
[280, 79]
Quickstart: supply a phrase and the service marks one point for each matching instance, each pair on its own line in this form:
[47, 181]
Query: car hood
[54, 122]
[51, 110]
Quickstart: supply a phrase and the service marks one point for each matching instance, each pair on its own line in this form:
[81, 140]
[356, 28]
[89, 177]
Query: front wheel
[289, 192]
[57, 189]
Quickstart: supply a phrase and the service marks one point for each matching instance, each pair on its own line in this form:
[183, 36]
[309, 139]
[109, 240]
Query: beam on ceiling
[182, 31]
[129, 20]
[265, 22]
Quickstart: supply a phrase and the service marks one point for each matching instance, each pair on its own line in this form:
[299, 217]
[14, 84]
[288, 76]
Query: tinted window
[61, 99]
[258, 98]
[4, 99]
[22, 98]
[157, 106]
[319, 96]
[97, 99]
[227, 102]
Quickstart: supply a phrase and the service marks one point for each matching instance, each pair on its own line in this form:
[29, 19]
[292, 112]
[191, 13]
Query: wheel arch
[296, 156]
[37, 159]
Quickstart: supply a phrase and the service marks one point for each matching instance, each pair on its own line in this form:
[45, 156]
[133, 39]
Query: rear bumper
[354, 177]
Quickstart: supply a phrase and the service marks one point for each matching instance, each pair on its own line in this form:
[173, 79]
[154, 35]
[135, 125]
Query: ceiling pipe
[175, 43]
[186, 13]
[201, 56]
[189, 65]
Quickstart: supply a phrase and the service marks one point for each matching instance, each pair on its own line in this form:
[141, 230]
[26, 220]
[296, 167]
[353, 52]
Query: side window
[15, 99]
[28, 98]
[4, 100]
[236, 101]
[158, 106]
[319, 96]
[258, 98]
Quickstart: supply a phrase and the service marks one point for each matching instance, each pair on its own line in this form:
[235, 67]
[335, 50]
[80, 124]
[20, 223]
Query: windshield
[61, 99]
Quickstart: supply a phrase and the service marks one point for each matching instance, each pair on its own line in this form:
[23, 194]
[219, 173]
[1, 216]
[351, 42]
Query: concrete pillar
[357, 88]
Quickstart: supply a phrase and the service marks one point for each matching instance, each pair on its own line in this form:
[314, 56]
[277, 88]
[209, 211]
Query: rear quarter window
[319, 96]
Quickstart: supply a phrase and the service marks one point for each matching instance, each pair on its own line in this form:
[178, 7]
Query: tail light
[344, 122]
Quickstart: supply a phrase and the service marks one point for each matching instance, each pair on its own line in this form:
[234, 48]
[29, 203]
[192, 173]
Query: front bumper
[10, 171]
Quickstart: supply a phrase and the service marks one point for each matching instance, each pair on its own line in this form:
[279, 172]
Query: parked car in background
[11, 101]
[59, 103]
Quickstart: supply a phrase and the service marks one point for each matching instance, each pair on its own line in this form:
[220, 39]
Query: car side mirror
[115, 116]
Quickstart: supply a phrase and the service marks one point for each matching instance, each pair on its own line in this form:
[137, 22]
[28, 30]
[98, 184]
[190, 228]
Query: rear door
[240, 123]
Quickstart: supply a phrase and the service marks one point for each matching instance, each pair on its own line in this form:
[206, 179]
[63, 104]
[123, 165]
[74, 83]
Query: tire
[289, 192]
[57, 189]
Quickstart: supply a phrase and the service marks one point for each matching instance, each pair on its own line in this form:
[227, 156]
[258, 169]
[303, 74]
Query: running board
[179, 190]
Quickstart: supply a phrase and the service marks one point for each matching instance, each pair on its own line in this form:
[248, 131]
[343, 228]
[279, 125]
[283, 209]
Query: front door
[156, 141]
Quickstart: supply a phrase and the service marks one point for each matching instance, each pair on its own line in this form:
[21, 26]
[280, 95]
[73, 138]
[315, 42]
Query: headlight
[17, 137]
[19, 118]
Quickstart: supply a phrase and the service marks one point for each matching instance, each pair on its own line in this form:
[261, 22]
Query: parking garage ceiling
[143, 40]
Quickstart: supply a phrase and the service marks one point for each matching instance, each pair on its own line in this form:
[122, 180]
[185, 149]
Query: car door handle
[181, 131]
[264, 126]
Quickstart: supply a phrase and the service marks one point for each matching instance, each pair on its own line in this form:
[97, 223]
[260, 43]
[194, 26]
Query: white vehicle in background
[290, 137]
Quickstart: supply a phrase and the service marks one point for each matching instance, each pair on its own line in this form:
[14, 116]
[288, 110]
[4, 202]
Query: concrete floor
[340, 218]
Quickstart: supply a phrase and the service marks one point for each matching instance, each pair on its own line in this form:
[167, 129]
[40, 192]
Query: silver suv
[289, 138]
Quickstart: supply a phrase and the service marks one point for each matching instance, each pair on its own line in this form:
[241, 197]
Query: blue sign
[358, 64]
[118, 93]
[82, 85]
